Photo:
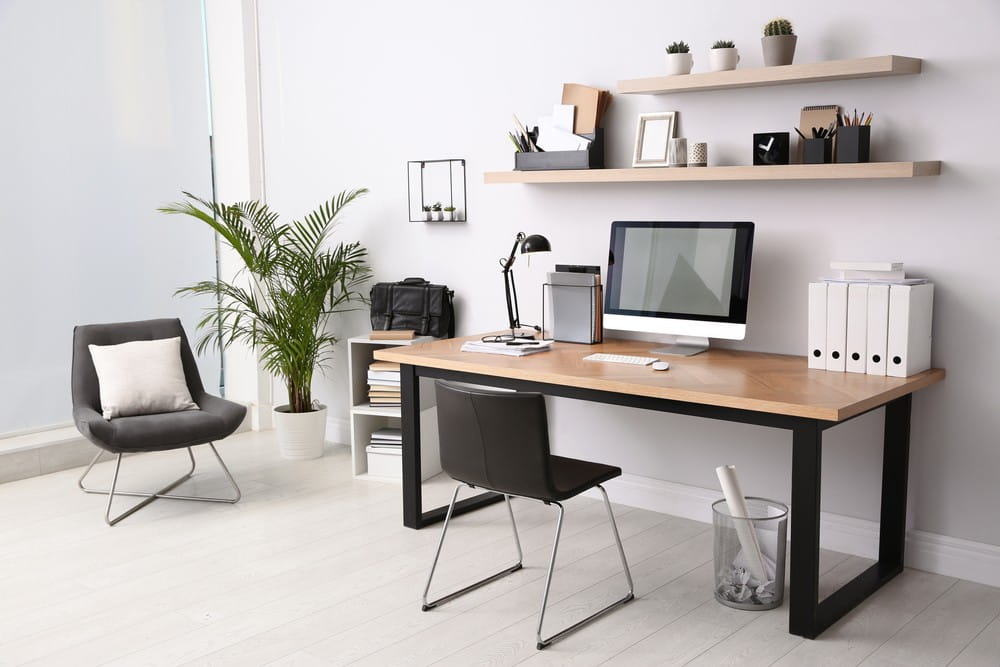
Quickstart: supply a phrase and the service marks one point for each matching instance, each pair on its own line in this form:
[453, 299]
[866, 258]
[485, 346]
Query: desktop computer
[686, 279]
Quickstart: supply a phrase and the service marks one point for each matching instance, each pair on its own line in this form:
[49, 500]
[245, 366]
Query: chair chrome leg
[629, 596]
[162, 493]
[425, 606]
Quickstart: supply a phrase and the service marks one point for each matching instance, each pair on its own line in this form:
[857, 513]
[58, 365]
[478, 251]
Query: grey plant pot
[778, 49]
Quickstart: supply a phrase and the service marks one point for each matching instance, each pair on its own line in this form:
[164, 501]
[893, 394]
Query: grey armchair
[216, 419]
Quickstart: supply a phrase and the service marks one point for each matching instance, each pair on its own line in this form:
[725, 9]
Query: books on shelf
[383, 384]
[513, 349]
[387, 438]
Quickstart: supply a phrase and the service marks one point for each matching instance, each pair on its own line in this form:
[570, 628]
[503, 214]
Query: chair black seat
[572, 477]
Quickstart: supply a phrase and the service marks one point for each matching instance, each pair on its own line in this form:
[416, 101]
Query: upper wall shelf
[791, 172]
[830, 70]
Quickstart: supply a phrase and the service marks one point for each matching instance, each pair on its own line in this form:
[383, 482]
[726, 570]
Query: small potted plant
[449, 212]
[723, 56]
[679, 59]
[436, 210]
[427, 212]
[778, 42]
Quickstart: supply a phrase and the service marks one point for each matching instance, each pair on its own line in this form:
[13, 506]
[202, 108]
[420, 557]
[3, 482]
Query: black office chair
[216, 419]
[499, 441]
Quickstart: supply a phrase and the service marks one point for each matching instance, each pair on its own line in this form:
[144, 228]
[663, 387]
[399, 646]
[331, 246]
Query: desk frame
[808, 616]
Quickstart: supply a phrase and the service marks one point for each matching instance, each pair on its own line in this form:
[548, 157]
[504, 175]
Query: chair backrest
[496, 440]
[86, 391]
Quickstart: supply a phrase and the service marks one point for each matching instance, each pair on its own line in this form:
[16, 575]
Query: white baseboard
[940, 554]
[338, 431]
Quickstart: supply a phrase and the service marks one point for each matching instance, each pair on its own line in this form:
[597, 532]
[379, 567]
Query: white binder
[878, 328]
[816, 335]
[836, 326]
[908, 348]
[857, 327]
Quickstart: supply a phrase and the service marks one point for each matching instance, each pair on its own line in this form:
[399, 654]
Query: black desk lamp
[527, 244]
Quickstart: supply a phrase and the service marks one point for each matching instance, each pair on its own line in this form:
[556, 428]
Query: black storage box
[854, 143]
[817, 151]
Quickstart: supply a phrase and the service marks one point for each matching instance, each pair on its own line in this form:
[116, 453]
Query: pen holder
[817, 151]
[854, 143]
[591, 158]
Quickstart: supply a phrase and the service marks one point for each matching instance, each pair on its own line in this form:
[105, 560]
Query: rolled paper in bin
[744, 531]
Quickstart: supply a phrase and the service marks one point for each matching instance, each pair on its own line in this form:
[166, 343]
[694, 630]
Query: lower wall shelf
[791, 172]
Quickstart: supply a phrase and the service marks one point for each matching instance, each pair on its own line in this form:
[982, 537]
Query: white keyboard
[621, 359]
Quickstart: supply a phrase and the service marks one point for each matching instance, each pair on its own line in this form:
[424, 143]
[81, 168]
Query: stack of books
[387, 440]
[383, 383]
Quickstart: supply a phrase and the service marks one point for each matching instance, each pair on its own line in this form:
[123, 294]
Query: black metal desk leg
[409, 385]
[895, 470]
[807, 465]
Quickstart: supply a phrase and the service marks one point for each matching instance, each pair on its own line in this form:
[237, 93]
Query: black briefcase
[413, 304]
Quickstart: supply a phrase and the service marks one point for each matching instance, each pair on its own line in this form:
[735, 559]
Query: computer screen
[689, 279]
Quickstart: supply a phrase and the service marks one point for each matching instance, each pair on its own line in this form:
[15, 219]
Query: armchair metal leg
[162, 493]
[503, 573]
[629, 596]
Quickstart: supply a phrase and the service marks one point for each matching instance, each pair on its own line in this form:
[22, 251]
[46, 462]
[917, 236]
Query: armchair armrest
[93, 426]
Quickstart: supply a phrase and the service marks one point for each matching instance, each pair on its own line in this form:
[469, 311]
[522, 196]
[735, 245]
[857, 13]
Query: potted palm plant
[292, 282]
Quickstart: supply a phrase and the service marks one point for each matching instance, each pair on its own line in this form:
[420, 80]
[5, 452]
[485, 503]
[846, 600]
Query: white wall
[351, 91]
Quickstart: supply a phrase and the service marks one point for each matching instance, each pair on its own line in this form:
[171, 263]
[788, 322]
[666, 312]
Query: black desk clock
[770, 148]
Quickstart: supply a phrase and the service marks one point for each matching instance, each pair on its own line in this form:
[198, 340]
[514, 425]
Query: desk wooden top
[773, 383]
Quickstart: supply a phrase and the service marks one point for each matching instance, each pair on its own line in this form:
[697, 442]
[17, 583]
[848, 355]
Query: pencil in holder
[817, 151]
[854, 143]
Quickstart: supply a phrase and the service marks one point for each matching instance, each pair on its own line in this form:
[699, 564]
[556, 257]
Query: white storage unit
[366, 418]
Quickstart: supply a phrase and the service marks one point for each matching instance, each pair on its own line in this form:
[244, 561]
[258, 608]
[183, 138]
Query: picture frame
[653, 133]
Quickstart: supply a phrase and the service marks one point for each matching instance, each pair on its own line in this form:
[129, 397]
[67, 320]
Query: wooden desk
[747, 387]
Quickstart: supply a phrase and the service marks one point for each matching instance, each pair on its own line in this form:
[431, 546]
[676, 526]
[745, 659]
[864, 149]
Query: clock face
[770, 148]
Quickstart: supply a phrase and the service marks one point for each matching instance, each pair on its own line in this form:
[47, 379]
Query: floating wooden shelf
[791, 172]
[830, 70]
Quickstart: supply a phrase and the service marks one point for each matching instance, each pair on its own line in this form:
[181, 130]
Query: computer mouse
[660, 365]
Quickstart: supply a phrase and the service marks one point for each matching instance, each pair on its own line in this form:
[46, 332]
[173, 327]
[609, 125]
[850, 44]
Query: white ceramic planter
[679, 63]
[449, 215]
[720, 60]
[300, 435]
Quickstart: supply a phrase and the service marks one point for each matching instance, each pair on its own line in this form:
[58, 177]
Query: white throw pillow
[141, 377]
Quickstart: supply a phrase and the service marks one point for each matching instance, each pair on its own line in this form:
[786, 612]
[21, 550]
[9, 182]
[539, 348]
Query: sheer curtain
[105, 117]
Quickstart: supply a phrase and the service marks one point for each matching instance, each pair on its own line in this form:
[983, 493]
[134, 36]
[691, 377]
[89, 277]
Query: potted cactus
[723, 56]
[427, 212]
[778, 42]
[449, 212]
[436, 210]
[679, 59]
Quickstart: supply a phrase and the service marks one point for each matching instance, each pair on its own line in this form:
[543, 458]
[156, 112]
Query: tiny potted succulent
[723, 56]
[449, 212]
[679, 59]
[427, 212]
[778, 42]
[436, 210]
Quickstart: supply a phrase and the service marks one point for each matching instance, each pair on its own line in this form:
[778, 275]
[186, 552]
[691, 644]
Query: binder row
[873, 328]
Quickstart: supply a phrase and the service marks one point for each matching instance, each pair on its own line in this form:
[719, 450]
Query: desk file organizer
[592, 158]
[575, 303]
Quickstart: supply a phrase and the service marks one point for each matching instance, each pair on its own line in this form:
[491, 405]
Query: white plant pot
[720, 60]
[438, 215]
[427, 216]
[301, 434]
[449, 215]
[679, 63]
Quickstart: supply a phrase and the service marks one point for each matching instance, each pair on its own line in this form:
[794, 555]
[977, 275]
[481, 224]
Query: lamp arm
[508, 284]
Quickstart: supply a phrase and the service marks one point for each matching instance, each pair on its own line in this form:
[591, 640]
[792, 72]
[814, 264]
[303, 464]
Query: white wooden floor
[314, 568]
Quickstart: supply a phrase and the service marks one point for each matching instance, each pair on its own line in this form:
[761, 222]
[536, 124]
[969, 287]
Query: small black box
[817, 151]
[770, 148]
[854, 143]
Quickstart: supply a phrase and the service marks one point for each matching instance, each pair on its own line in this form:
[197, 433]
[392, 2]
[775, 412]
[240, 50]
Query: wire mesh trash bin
[750, 554]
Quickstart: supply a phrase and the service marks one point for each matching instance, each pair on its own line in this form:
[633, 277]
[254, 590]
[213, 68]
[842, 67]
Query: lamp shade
[535, 243]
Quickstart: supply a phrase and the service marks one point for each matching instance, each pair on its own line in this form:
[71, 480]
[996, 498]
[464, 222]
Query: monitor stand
[684, 346]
